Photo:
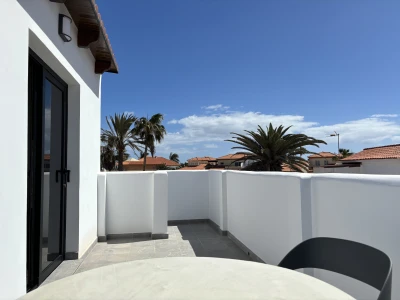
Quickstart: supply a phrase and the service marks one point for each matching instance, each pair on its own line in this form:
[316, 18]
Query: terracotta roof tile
[286, 168]
[232, 156]
[205, 158]
[199, 167]
[324, 155]
[382, 152]
[157, 160]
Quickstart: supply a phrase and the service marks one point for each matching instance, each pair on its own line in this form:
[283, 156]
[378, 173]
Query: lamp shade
[64, 27]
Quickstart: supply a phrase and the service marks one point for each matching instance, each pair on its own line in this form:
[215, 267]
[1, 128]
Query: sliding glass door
[47, 174]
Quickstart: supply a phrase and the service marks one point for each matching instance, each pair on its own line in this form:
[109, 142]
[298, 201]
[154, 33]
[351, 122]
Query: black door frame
[38, 72]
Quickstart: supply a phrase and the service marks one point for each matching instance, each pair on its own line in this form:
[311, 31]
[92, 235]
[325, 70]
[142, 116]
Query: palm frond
[271, 148]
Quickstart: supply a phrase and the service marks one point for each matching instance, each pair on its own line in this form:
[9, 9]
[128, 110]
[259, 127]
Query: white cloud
[396, 139]
[385, 116]
[165, 150]
[210, 146]
[211, 129]
[129, 112]
[215, 107]
[372, 130]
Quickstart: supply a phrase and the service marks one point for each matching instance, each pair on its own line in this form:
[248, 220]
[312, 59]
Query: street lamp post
[336, 134]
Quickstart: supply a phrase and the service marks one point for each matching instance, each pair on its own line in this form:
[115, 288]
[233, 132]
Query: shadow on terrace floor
[187, 240]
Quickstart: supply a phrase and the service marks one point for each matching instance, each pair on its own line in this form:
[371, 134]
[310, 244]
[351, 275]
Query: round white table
[189, 278]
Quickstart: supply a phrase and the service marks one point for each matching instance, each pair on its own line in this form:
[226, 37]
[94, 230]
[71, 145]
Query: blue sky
[216, 66]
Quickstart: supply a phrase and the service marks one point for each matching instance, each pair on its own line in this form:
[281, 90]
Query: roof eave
[92, 33]
[114, 68]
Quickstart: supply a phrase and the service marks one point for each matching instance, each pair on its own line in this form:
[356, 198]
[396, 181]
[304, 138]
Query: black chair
[355, 260]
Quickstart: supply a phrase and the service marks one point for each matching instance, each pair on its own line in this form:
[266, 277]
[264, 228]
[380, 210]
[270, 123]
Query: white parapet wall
[188, 195]
[160, 204]
[361, 208]
[269, 213]
[132, 202]
[217, 198]
[264, 212]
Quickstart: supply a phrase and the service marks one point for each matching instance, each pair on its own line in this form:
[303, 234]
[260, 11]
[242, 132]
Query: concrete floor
[189, 240]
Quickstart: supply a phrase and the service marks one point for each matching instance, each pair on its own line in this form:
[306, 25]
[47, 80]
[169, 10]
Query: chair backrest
[353, 259]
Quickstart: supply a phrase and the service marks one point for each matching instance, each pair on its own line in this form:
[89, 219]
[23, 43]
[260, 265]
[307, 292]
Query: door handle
[57, 171]
[65, 172]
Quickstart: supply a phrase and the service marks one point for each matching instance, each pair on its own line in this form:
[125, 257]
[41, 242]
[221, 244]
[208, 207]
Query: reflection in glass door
[47, 174]
[52, 163]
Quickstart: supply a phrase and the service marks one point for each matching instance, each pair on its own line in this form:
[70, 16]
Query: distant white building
[322, 159]
[376, 160]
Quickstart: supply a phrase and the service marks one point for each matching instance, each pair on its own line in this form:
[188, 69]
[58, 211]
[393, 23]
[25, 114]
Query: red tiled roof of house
[324, 155]
[199, 167]
[286, 168]
[382, 152]
[156, 160]
[232, 156]
[205, 158]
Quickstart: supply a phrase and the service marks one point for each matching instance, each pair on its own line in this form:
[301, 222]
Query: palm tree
[149, 131]
[120, 136]
[162, 167]
[174, 157]
[141, 155]
[345, 152]
[152, 149]
[108, 158]
[268, 150]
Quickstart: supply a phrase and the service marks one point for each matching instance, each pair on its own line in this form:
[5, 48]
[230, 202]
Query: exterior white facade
[33, 25]
[380, 166]
[368, 166]
[268, 212]
[351, 170]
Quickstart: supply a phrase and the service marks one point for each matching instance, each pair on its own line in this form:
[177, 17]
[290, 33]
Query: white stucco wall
[372, 166]
[76, 67]
[129, 207]
[353, 170]
[264, 212]
[188, 195]
[362, 208]
[272, 212]
[215, 197]
[34, 24]
[89, 162]
[101, 204]
[132, 202]
[160, 203]
[381, 166]
[13, 181]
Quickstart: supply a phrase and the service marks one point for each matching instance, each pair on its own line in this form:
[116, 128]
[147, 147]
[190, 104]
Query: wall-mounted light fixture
[64, 27]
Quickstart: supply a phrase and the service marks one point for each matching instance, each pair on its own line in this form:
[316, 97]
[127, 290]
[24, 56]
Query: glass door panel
[47, 174]
[52, 166]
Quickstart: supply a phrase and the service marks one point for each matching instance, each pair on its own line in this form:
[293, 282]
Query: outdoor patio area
[186, 240]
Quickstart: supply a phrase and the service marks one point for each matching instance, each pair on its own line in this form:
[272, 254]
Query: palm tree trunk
[120, 160]
[268, 167]
[145, 156]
